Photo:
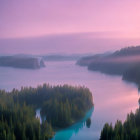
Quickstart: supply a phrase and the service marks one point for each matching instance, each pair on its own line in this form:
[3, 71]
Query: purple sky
[25, 18]
[68, 26]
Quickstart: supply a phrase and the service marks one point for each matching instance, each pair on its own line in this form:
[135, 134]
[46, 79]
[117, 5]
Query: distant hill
[22, 61]
[85, 61]
[61, 57]
[124, 62]
[125, 54]
[129, 51]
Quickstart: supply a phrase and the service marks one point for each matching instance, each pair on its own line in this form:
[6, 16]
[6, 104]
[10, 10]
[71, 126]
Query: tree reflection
[67, 133]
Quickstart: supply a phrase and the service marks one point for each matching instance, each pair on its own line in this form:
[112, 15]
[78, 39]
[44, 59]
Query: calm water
[113, 98]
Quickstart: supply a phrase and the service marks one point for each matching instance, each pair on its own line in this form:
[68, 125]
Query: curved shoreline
[76, 126]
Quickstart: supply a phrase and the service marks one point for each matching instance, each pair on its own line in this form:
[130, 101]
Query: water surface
[113, 98]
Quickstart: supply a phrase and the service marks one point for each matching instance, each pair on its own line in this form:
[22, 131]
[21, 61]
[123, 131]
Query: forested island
[22, 61]
[61, 105]
[125, 62]
[129, 130]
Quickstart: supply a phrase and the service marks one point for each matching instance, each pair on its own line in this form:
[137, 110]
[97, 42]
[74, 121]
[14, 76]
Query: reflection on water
[113, 98]
[67, 133]
[88, 122]
[38, 115]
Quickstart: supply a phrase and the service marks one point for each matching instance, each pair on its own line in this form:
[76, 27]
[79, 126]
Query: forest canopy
[61, 105]
[129, 130]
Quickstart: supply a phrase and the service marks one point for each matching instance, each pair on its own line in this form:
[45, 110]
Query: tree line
[129, 130]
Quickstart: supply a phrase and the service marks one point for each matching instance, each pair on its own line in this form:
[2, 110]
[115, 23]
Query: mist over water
[80, 43]
[113, 98]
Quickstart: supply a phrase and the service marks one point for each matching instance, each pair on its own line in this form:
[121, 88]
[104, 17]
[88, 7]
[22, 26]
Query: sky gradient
[31, 18]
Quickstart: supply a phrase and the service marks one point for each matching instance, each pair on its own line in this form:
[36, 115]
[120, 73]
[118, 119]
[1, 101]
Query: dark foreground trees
[129, 130]
[18, 122]
[61, 105]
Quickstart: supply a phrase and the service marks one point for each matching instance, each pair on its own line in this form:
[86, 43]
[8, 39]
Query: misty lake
[113, 98]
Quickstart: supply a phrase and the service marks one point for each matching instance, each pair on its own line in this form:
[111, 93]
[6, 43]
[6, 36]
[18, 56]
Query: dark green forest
[133, 74]
[61, 105]
[129, 130]
[21, 61]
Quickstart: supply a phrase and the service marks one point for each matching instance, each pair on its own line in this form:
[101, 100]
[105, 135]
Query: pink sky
[28, 18]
